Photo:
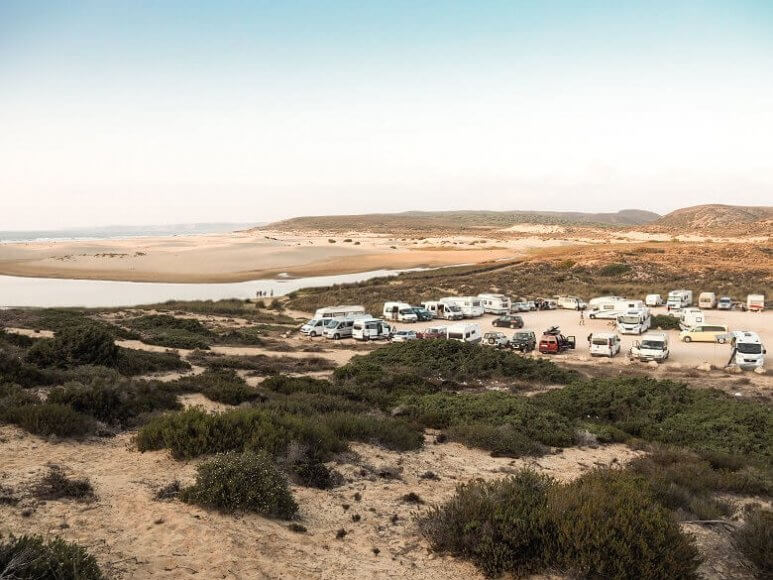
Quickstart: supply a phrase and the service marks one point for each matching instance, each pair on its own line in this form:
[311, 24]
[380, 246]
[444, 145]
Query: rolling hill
[716, 218]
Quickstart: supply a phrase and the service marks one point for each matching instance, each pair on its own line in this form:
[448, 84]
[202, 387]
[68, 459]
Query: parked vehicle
[611, 309]
[509, 321]
[705, 333]
[749, 350]
[707, 300]
[404, 336]
[433, 332]
[755, 302]
[464, 333]
[651, 346]
[653, 300]
[678, 299]
[497, 339]
[519, 307]
[371, 329]
[690, 317]
[314, 327]
[598, 301]
[524, 341]
[471, 306]
[422, 314]
[545, 304]
[532, 305]
[634, 321]
[553, 342]
[604, 344]
[345, 311]
[442, 310]
[725, 303]
[401, 311]
[337, 328]
[571, 302]
[495, 303]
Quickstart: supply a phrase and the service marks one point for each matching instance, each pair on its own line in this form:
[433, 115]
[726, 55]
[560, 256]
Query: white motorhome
[690, 317]
[571, 302]
[371, 329]
[651, 346]
[345, 311]
[604, 344]
[755, 302]
[678, 299]
[401, 311]
[495, 303]
[634, 321]
[749, 352]
[611, 309]
[464, 333]
[707, 300]
[470, 305]
[596, 303]
[653, 300]
[442, 310]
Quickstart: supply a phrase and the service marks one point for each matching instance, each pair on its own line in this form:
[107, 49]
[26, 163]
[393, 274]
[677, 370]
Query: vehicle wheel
[592, 316]
[721, 340]
[336, 336]
[313, 334]
[687, 339]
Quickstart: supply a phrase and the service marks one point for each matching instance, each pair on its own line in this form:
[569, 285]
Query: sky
[147, 112]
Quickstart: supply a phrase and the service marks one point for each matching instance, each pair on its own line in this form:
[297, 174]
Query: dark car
[422, 314]
[524, 341]
[509, 321]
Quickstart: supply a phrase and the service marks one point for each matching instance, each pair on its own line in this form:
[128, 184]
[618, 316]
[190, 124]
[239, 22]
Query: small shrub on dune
[83, 344]
[51, 419]
[132, 362]
[755, 540]
[222, 386]
[14, 369]
[32, 557]
[500, 440]
[243, 482]
[394, 434]
[56, 485]
[665, 322]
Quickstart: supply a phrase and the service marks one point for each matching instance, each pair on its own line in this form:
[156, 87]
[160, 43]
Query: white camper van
[651, 346]
[470, 305]
[604, 344]
[571, 302]
[337, 328]
[678, 299]
[755, 302]
[634, 321]
[401, 311]
[749, 350]
[464, 333]
[346, 311]
[707, 300]
[599, 301]
[442, 310]
[653, 300]
[314, 327]
[371, 329]
[611, 309]
[691, 317]
[495, 303]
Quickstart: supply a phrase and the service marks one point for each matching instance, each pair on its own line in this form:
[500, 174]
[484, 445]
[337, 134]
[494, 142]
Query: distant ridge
[714, 217]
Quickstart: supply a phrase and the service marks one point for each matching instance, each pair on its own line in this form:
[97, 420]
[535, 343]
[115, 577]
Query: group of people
[264, 293]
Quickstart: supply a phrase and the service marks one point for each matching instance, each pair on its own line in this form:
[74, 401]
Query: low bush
[391, 433]
[261, 364]
[755, 540]
[500, 440]
[665, 322]
[84, 344]
[50, 419]
[14, 369]
[222, 386]
[172, 332]
[32, 557]
[614, 269]
[56, 485]
[247, 482]
[133, 362]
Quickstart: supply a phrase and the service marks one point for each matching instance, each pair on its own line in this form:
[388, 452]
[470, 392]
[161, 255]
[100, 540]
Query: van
[707, 300]
[749, 350]
[604, 344]
[495, 303]
[314, 327]
[345, 311]
[634, 321]
[443, 310]
[464, 333]
[371, 329]
[651, 346]
[690, 317]
[571, 302]
[705, 333]
[401, 311]
[337, 328]
[470, 306]
[755, 302]
[653, 300]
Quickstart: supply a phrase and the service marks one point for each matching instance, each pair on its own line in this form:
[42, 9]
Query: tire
[336, 337]
[313, 334]
[721, 340]
[687, 339]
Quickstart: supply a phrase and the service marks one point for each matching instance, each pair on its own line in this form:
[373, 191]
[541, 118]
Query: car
[422, 314]
[553, 342]
[404, 336]
[725, 303]
[532, 305]
[509, 321]
[497, 339]
[705, 333]
[519, 307]
[433, 332]
[524, 341]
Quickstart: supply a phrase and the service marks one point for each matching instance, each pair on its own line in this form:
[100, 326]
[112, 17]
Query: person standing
[582, 318]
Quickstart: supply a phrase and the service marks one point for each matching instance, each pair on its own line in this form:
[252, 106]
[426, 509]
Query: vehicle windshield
[313, 322]
[749, 348]
[522, 335]
[629, 319]
[407, 311]
[454, 308]
[331, 323]
[653, 344]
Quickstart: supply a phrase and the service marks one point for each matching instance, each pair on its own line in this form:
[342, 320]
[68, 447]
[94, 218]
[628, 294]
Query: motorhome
[401, 311]
[755, 302]
[464, 333]
[346, 311]
[471, 306]
[611, 309]
[337, 328]
[707, 300]
[599, 301]
[678, 299]
[495, 303]
[653, 300]
[604, 344]
[749, 352]
[571, 302]
[443, 310]
[651, 346]
[634, 321]
[690, 317]
[705, 333]
[371, 329]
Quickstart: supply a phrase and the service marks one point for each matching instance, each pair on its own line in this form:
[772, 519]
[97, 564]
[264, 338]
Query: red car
[553, 342]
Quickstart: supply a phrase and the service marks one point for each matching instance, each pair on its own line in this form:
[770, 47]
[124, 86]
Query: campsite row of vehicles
[679, 299]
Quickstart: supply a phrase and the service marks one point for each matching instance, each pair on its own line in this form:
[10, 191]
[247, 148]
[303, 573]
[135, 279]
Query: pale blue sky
[162, 112]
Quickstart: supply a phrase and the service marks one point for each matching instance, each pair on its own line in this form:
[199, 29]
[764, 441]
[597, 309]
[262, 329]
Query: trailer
[495, 303]
[470, 306]
[344, 311]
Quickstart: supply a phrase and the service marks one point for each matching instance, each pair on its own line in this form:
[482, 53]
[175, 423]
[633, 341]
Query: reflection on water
[53, 292]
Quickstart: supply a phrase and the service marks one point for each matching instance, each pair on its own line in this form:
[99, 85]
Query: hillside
[460, 220]
[716, 217]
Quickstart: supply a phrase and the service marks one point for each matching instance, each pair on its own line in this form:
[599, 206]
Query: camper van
[470, 305]
[604, 344]
[653, 300]
[596, 303]
[690, 317]
[634, 321]
[443, 310]
[314, 327]
[611, 309]
[346, 311]
[707, 300]
[651, 346]
[401, 311]
[371, 329]
[571, 302]
[749, 350]
[337, 328]
[464, 333]
[678, 299]
[705, 333]
[755, 302]
[495, 303]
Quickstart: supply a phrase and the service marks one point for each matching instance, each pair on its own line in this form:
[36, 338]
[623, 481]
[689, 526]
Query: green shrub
[15, 370]
[665, 322]
[32, 557]
[222, 386]
[51, 419]
[172, 332]
[614, 269]
[262, 364]
[755, 540]
[247, 482]
[501, 440]
[84, 344]
[132, 362]
[391, 433]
